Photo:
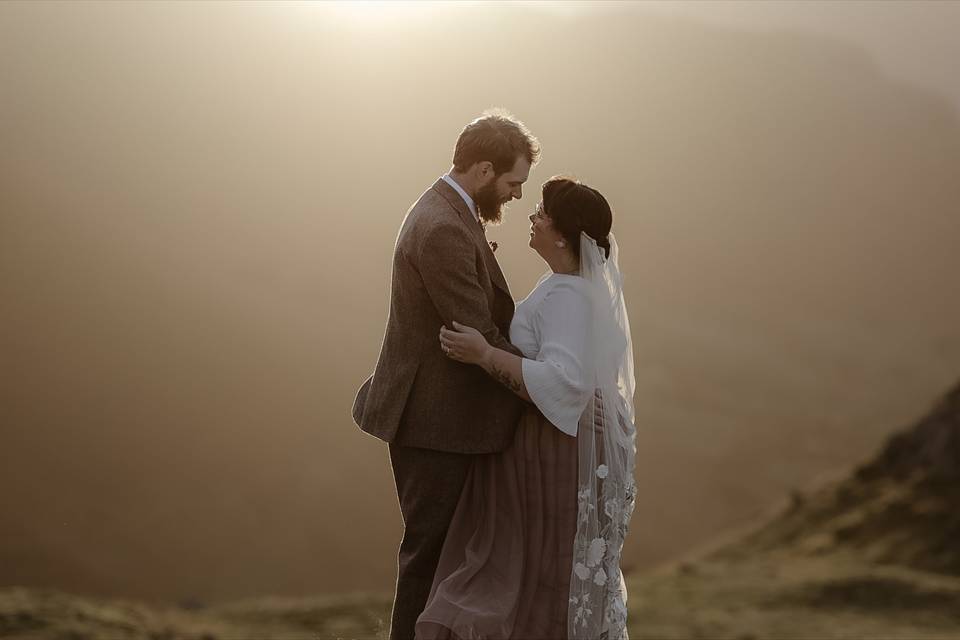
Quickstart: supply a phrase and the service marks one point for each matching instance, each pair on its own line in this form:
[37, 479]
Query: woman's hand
[464, 344]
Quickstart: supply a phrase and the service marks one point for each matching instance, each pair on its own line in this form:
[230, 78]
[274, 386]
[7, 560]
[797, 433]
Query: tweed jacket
[443, 271]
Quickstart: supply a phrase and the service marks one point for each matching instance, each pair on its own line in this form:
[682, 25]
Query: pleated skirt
[504, 572]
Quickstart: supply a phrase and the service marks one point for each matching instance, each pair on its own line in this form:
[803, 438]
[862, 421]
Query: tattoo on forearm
[500, 375]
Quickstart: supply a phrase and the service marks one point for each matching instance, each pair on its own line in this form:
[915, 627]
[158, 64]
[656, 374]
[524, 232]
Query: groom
[438, 414]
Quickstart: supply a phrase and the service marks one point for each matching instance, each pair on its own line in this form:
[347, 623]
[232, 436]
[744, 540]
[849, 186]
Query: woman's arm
[467, 345]
[562, 378]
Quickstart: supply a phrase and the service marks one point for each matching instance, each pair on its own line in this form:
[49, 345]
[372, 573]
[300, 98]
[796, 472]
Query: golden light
[379, 14]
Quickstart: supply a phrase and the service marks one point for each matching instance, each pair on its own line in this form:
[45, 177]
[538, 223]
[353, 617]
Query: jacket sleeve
[448, 266]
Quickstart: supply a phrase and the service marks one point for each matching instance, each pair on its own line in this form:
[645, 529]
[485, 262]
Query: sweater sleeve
[560, 380]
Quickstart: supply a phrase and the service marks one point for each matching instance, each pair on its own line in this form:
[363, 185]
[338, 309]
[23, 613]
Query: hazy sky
[198, 204]
[916, 40]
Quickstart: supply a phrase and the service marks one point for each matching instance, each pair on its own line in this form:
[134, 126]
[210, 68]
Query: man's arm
[447, 264]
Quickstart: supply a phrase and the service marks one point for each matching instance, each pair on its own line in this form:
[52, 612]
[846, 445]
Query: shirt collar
[463, 194]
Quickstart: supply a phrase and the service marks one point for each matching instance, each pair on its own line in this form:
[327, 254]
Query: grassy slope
[728, 595]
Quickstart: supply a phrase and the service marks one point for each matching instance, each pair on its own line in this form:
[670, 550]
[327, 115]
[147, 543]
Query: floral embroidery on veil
[598, 582]
[606, 489]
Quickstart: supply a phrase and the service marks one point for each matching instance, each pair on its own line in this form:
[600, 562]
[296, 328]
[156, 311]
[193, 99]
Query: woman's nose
[532, 216]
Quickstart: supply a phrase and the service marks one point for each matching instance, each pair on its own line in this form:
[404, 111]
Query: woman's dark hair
[574, 207]
[496, 136]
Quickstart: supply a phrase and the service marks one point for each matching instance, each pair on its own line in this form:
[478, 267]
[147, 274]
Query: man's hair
[496, 136]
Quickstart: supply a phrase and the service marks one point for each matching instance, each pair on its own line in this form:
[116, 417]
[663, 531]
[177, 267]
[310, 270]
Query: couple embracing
[510, 427]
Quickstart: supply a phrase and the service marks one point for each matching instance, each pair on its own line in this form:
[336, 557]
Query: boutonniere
[493, 245]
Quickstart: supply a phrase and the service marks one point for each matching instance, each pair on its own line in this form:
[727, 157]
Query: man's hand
[464, 344]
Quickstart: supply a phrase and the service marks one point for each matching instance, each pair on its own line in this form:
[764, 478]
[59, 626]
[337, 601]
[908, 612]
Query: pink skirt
[504, 571]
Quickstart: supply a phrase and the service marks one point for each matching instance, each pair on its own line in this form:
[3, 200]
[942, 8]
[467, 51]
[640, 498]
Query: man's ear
[484, 170]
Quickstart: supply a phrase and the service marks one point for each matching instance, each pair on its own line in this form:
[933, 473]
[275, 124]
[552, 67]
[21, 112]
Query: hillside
[871, 556]
[900, 508]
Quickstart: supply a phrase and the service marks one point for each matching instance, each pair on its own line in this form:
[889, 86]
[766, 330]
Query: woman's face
[543, 235]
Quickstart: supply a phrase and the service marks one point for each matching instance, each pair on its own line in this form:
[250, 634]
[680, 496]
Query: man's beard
[489, 205]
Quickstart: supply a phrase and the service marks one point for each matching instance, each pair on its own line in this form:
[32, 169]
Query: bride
[533, 550]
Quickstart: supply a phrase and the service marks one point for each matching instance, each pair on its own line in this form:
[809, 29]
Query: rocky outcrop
[901, 508]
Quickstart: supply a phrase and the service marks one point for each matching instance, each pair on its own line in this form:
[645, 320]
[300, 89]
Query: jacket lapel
[466, 217]
[496, 275]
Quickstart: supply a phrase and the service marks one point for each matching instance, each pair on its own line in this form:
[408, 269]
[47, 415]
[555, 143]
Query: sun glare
[379, 13]
[376, 15]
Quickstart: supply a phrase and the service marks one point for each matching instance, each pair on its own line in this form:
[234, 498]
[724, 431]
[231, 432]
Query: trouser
[429, 484]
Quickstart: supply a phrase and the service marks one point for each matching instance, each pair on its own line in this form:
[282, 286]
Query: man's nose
[518, 193]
